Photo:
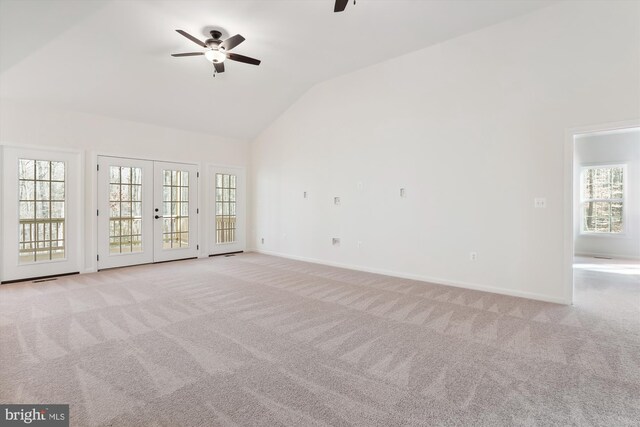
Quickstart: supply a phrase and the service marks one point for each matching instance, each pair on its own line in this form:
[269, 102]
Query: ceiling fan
[341, 4]
[217, 50]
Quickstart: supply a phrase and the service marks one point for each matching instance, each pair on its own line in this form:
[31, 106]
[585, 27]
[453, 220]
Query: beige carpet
[259, 340]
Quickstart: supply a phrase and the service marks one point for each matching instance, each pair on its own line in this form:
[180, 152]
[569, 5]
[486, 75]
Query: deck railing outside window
[41, 239]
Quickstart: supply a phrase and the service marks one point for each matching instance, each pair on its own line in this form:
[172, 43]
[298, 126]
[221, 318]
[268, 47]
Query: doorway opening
[604, 249]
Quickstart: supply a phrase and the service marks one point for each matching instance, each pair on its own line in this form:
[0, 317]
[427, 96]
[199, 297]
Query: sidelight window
[225, 208]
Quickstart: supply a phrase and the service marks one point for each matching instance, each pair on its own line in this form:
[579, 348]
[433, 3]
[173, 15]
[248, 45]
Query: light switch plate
[540, 202]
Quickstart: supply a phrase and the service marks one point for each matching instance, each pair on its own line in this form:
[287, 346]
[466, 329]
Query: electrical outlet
[403, 192]
[262, 240]
[540, 202]
[304, 194]
[473, 256]
[335, 241]
[336, 200]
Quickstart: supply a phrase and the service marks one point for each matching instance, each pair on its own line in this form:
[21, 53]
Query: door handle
[158, 216]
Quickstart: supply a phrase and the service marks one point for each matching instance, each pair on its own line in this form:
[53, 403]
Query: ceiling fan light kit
[215, 56]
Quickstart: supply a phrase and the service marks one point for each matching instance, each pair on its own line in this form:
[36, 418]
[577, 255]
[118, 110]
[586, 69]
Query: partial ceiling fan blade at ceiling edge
[242, 58]
[340, 5]
[187, 54]
[190, 37]
[219, 66]
[232, 42]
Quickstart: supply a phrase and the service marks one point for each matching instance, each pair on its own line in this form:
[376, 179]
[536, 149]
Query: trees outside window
[602, 197]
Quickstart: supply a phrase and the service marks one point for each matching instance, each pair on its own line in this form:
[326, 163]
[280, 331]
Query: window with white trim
[602, 199]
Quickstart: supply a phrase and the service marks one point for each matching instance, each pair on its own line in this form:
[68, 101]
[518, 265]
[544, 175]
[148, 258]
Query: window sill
[623, 235]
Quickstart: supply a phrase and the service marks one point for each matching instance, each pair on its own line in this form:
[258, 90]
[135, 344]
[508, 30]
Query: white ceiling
[112, 57]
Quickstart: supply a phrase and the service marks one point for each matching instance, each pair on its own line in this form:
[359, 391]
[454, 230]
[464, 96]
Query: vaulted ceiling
[113, 58]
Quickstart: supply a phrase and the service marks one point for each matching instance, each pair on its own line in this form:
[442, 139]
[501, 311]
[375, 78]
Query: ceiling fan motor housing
[212, 44]
[214, 41]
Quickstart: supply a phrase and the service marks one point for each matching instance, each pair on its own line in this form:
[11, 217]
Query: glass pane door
[175, 206]
[125, 212]
[147, 211]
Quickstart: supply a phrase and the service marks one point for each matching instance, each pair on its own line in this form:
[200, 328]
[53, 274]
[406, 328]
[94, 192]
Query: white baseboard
[434, 280]
[612, 256]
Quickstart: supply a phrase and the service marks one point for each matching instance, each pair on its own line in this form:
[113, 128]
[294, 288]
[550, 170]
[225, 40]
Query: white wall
[610, 148]
[473, 128]
[27, 126]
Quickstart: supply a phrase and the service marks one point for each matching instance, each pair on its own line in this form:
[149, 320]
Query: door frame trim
[569, 205]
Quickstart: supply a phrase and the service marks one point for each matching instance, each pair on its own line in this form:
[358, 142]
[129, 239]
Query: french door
[147, 211]
[42, 216]
[227, 210]
[175, 222]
